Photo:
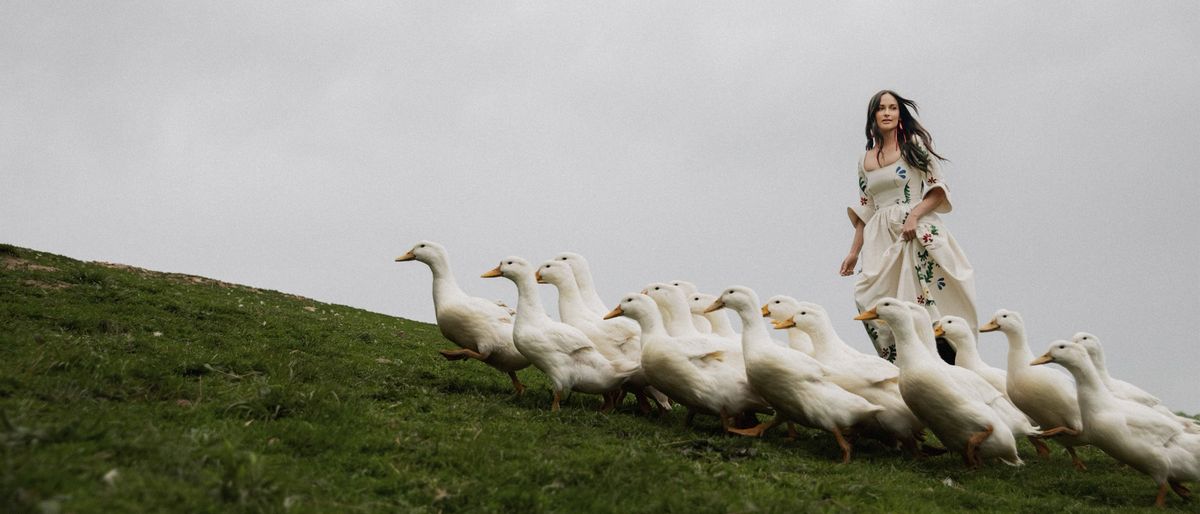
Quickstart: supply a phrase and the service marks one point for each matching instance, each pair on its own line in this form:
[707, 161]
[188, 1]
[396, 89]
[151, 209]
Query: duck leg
[1043, 451]
[727, 421]
[792, 433]
[457, 355]
[841, 441]
[973, 443]
[516, 383]
[1059, 430]
[757, 430]
[1179, 489]
[687, 420]
[643, 403]
[1161, 500]
[557, 398]
[1075, 459]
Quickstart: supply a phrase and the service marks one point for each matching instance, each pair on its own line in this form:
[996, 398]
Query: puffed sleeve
[864, 208]
[934, 179]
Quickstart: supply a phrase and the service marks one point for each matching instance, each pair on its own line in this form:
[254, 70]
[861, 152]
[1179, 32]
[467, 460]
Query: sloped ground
[127, 390]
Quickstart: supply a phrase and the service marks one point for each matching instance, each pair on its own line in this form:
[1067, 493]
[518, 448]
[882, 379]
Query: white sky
[302, 148]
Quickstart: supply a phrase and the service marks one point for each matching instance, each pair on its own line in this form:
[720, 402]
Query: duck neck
[587, 289]
[910, 350]
[571, 306]
[966, 354]
[720, 324]
[678, 318]
[1019, 355]
[529, 304]
[651, 324]
[1091, 392]
[1101, 368]
[824, 339]
[444, 285]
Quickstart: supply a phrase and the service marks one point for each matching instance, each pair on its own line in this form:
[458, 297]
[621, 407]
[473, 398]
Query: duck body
[869, 376]
[481, 327]
[1126, 430]
[692, 370]
[562, 352]
[780, 308]
[966, 352]
[954, 413]
[1125, 390]
[794, 383]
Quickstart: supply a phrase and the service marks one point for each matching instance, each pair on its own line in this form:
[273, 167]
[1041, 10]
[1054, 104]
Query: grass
[126, 390]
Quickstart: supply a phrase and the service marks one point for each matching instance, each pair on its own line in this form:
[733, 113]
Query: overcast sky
[303, 147]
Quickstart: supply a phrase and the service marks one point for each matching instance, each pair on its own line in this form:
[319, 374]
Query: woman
[907, 251]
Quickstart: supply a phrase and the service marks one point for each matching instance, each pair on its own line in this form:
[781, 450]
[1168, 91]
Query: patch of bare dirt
[53, 285]
[12, 263]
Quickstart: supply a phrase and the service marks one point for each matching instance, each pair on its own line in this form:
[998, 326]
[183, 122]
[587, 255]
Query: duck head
[953, 329]
[1005, 321]
[424, 251]
[888, 310]
[1090, 343]
[634, 305]
[698, 302]
[685, 286]
[554, 272]
[1065, 353]
[512, 268]
[805, 316]
[738, 298]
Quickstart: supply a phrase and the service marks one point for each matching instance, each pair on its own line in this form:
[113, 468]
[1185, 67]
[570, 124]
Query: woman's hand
[848, 264]
[909, 230]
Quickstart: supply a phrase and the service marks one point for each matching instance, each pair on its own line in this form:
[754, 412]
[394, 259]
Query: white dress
[930, 269]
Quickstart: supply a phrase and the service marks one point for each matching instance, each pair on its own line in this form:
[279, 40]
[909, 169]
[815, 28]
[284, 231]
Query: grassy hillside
[125, 390]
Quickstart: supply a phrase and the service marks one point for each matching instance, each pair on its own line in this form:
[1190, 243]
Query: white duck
[1128, 431]
[481, 328]
[1045, 395]
[869, 376]
[691, 370]
[958, 333]
[794, 383]
[702, 324]
[977, 386]
[780, 308]
[616, 339]
[699, 302]
[960, 421]
[561, 351]
[1125, 390]
[583, 278]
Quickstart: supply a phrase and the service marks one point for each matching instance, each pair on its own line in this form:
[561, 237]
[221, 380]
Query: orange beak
[871, 314]
[406, 257]
[716, 306]
[990, 326]
[765, 311]
[614, 313]
[938, 332]
[494, 272]
[787, 323]
[1042, 360]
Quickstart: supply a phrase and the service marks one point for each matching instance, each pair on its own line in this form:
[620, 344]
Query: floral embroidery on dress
[862, 200]
[889, 353]
[927, 238]
[907, 193]
[932, 181]
[941, 283]
[903, 173]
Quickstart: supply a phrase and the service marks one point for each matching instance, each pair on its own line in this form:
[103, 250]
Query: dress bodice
[895, 184]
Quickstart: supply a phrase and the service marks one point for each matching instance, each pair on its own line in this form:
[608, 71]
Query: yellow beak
[614, 313]
[765, 311]
[787, 323]
[716, 306]
[871, 314]
[406, 257]
[990, 326]
[938, 332]
[537, 275]
[494, 272]
[1042, 360]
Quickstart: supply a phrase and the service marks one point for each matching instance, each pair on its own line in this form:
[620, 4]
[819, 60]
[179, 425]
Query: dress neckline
[864, 163]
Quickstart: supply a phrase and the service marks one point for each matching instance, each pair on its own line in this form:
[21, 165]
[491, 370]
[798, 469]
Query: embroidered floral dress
[930, 269]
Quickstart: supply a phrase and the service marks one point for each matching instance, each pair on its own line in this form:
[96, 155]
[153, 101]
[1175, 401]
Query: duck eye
[422, 246]
[510, 263]
[802, 313]
[656, 288]
[776, 302]
[1005, 316]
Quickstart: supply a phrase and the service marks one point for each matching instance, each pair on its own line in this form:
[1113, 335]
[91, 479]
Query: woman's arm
[933, 199]
[852, 259]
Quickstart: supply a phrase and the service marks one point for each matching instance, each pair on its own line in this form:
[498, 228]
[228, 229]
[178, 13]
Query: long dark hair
[908, 132]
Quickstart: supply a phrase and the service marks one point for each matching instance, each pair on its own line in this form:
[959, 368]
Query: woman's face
[888, 114]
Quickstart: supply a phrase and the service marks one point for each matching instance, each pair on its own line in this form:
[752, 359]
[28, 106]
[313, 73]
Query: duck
[561, 351]
[958, 333]
[779, 308]
[792, 382]
[616, 339]
[1131, 432]
[1125, 390]
[976, 386]
[1045, 395]
[692, 370]
[583, 278]
[869, 376]
[702, 324]
[481, 328]
[960, 421]
[717, 320]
